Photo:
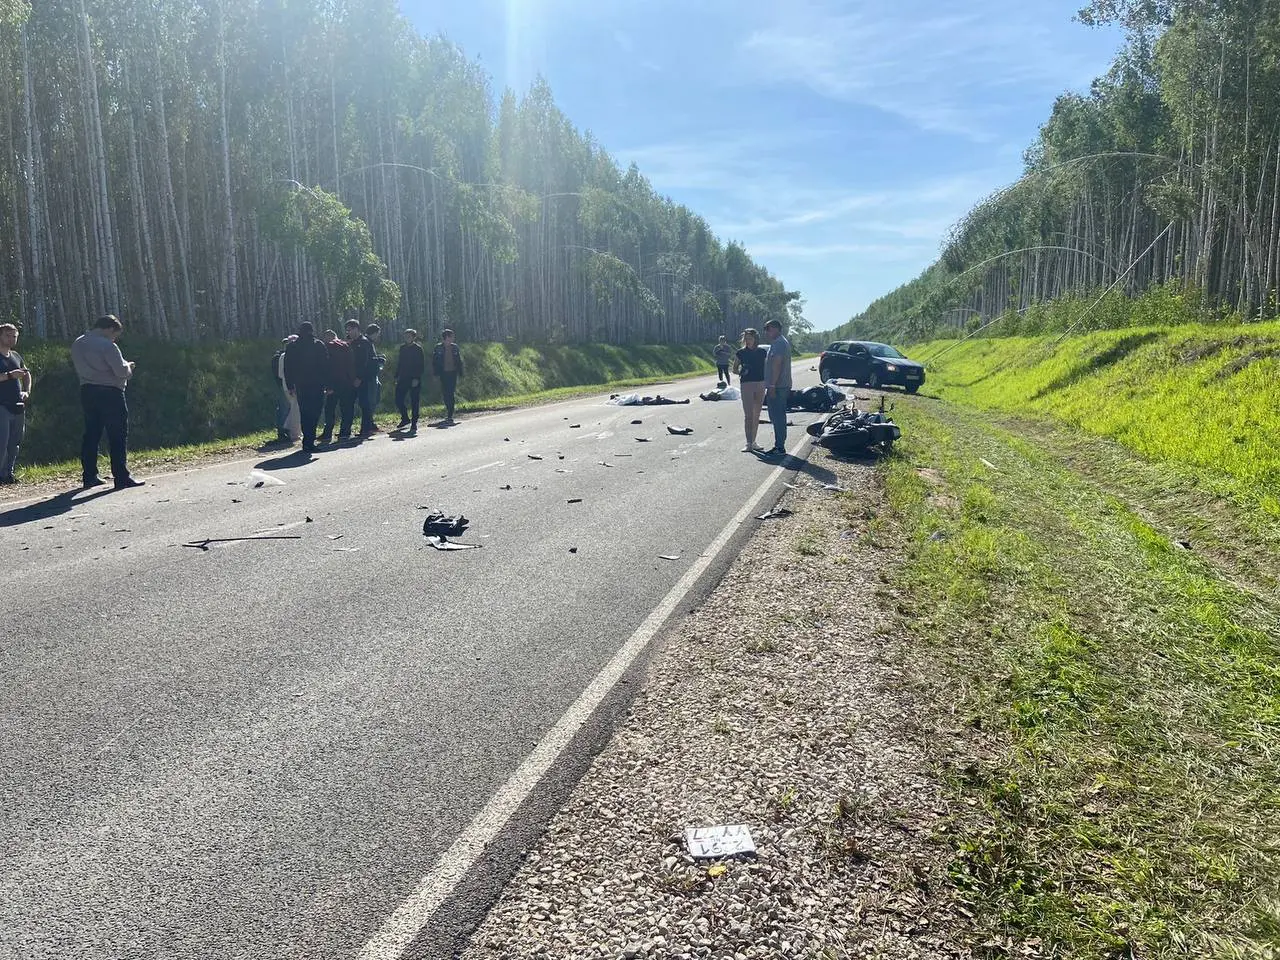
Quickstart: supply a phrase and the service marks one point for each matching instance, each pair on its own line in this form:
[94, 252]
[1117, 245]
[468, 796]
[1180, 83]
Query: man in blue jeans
[777, 385]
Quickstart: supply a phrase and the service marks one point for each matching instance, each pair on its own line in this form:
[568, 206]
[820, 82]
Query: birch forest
[226, 168]
[1167, 173]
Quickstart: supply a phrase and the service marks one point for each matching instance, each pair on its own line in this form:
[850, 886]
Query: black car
[869, 364]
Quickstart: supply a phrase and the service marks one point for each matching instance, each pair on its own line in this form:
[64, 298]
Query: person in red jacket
[341, 395]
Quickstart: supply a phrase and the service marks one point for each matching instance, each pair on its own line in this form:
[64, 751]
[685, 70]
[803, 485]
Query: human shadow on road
[46, 509]
[297, 458]
[801, 465]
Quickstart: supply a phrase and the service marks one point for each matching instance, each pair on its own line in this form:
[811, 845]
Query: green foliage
[1164, 173]
[1118, 695]
[319, 225]
[14, 13]
[1200, 396]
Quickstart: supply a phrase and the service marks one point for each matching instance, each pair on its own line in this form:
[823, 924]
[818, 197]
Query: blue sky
[837, 140]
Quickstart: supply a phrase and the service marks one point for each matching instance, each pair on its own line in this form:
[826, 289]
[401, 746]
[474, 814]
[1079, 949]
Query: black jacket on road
[306, 364]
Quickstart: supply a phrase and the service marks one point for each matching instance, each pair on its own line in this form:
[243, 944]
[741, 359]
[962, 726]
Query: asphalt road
[259, 750]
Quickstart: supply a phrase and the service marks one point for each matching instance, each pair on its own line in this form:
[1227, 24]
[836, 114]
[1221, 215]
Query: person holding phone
[15, 387]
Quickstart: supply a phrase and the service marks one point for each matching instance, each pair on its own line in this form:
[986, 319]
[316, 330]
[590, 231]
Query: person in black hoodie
[446, 361]
[306, 374]
[411, 364]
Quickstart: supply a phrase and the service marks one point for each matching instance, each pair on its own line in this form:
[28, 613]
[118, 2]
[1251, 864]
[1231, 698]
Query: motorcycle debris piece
[438, 525]
[679, 431]
[204, 544]
[534, 456]
[575, 426]
[775, 514]
[443, 543]
[636, 423]
[574, 500]
[663, 556]
[644, 439]
[505, 486]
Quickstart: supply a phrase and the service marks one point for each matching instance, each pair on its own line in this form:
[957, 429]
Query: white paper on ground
[719, 841]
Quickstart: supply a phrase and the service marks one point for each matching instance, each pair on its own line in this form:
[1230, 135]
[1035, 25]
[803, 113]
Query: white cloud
[952, 72]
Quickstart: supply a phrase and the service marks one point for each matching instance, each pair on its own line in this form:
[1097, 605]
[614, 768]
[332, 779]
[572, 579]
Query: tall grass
[1204, 397]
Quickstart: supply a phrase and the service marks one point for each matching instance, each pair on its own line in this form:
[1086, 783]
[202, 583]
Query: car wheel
[874, 381]
[824, 374]
[913, 388]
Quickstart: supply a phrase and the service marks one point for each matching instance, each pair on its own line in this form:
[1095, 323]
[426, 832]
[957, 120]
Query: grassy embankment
[1100, 622]
[191, 401]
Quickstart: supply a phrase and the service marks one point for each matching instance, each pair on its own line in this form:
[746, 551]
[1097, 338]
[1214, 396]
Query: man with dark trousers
[364, 362]
[411, 364]
[446, 361]
[341, 394]
[306, 373]
[103, 373]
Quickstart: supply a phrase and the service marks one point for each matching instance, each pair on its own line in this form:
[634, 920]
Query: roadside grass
[1202, 399]
[1112, 702]
[256, 443]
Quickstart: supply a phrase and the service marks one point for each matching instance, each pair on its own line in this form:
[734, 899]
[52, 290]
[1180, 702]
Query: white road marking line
[279, 527]
[411, 917]
[496, 463]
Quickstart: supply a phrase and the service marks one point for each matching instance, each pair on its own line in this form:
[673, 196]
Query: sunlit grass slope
[1205, 398]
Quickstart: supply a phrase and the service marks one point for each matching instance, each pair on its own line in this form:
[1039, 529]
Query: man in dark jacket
[446, 361]
[341, 395]
[362, 359]
[411, 364]
[306, 374]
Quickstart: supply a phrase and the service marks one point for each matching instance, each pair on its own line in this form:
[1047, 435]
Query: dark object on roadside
[573, 549]
[636, 423]
[820, 399]
[680, 431]
[871, 364]
[438, 525]
[644, 439]
[534, 456]
[204, 544]
[575, 426]
[851, 430]
[777, 513]
[505, 486]
[574, 500]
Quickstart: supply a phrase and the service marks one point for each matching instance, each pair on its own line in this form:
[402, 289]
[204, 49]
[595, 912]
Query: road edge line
[408, 921]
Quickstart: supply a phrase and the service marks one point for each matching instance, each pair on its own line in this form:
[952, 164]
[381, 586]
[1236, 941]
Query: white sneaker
[748, 448]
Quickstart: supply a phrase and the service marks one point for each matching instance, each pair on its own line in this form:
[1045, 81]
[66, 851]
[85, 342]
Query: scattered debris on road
[438, 525]
[444, 543]
[260, 478]
[574, 500]
[644, 439]
[777, 513]
[534, 456]
[679, 431]
[664, 556]
[204, 544]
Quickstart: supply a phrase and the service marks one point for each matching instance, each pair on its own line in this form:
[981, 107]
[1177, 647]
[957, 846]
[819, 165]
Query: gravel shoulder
[782, 703]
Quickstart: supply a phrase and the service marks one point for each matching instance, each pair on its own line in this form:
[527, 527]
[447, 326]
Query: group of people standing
[764, 381]
[329, 377]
